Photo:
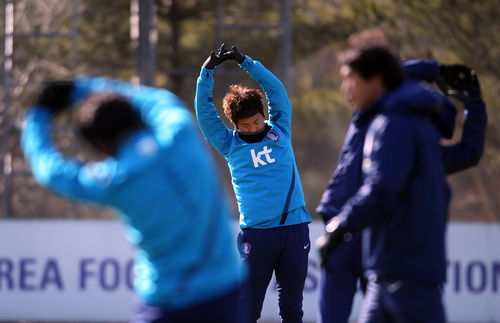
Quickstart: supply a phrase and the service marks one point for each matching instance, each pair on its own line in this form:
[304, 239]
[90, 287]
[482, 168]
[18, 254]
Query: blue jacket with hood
[402, 204]
[400, 192]
[347, 178]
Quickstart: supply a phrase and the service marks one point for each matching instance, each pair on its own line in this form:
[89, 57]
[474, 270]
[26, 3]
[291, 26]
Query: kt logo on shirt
[256, 158]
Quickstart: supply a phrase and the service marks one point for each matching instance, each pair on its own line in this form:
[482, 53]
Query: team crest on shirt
[246, 247]
[272, 135]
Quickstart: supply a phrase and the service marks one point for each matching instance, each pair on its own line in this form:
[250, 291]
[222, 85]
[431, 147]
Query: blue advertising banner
[82, 270]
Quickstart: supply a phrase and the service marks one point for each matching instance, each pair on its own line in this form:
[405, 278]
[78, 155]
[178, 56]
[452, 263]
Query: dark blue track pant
[283, 250]
[224, 309]
[339, 282]
[402, 301]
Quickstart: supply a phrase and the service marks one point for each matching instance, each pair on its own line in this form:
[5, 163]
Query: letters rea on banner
[108, 274]
[66, 267]
[33, 274]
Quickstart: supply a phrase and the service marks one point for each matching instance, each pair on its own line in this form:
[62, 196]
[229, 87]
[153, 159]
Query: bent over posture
[185, 267]
[274, 232]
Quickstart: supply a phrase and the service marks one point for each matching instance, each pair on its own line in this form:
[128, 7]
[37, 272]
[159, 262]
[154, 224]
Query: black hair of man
[377, 61]
[105, 118]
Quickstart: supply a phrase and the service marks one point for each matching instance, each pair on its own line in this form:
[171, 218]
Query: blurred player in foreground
[274, 232]
[401, 206]
[160, 179]
[339, 283]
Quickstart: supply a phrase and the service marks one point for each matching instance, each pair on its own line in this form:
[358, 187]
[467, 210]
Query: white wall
[69, 270]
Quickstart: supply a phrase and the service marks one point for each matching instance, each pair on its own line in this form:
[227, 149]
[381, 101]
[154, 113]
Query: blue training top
[163, 184]
[264, 174]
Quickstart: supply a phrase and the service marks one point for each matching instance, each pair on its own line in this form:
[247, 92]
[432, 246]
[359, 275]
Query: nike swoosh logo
[307, 245]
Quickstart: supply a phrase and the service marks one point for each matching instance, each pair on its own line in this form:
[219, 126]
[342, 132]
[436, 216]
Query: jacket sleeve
[325, 209]
[212, 127]
[280, 108]
[69, 178]
[421, 70]
[388, 162]
[469, 150]
[161, 110]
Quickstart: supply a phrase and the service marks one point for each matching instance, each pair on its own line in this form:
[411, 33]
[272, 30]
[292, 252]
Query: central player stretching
[274, 233]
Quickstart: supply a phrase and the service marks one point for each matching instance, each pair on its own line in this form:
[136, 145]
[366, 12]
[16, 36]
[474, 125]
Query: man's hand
[239, 57]
[463, 80]
[330, 241]
[55, 96]
[216, 58]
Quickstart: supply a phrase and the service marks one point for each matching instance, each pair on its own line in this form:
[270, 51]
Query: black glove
[330, 241]
[239, 57]
[55, 95]
[215, 59]
[462, 79]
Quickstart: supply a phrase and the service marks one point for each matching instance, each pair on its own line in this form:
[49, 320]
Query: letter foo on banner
[67, 270]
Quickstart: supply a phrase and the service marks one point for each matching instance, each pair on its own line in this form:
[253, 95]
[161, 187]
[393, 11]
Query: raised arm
[66, 177]
[280, 108]
[163, 112]
[462, 82]
[160, 109]
[212, 127]
[466, 88]
[468, 151]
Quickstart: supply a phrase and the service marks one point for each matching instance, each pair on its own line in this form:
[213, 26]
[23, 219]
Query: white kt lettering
[256, 158]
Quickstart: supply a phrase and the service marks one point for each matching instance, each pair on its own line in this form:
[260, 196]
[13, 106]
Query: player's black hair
[105, 117]
[377, 60]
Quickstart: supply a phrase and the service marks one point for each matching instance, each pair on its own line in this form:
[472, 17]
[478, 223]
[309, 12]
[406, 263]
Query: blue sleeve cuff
[207, 73]
[247, 63]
